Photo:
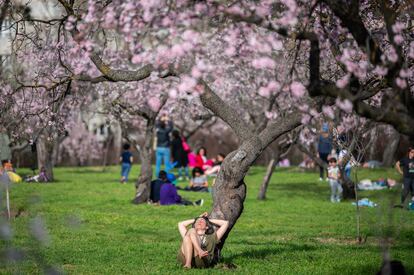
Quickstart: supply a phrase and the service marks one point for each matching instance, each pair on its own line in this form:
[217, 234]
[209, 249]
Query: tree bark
[44, 151]
[143, 184]
[372, 155]
[348, 187]
[269, 172]
[229, 190]
[391, 148]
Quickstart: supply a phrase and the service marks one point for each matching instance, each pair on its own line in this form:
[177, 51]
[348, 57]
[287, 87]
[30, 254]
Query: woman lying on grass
[199, 242]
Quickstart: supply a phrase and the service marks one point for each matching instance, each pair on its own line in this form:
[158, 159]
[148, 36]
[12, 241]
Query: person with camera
[162, 152]
[199, 242]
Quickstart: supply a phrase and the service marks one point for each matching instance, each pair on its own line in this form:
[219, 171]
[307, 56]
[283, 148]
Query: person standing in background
[324, 148]
[5, 151]
[179, 155]
[162, 151]
[407, 165]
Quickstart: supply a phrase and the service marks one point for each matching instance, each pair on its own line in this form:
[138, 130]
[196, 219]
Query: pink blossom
[305, 119]
[401, 83]
[297, 89]
[154, 103]
[405, 73]
[381, 71]
[398, 27]
[187, 84]
[264, 63]
[345, 105]
[274, 86]
[392, 55]
[264, 91]
[235, 9]
[136, 59]
[195, 72]
[328, 111]
[342, 82]
[177, 50]
[411, 50]
[271, 115]
[398, 39]
[230, 51]
[173, 93]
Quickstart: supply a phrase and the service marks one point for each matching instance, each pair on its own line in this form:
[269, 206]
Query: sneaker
[320, 179]
[199, 202]
[180, 178]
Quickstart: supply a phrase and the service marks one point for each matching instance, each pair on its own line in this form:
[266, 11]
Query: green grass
[94, 229]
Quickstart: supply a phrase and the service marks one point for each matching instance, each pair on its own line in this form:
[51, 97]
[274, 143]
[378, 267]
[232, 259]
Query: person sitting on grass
[199, 242]
[41, 177]
[216, 167]
[198, 182]
[169, 196]
[156, 186]
[201, 159]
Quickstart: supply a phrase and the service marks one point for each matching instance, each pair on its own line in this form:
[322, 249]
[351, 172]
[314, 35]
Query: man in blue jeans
[162, 153]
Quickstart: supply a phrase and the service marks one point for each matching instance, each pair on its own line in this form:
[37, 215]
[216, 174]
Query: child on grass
[126, 159]
[333, 177]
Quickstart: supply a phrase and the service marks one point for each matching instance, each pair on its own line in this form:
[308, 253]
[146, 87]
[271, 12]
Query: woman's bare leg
[187, 249]
[195, 240]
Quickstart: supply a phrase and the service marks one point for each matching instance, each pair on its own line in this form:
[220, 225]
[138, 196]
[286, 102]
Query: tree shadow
[263, 253]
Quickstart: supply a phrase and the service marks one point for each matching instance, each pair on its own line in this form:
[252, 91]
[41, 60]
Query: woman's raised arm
[223, 225]
[182, 227]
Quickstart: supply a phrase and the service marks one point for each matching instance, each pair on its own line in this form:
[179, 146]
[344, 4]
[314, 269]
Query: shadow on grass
[263, 253]
[88, 171]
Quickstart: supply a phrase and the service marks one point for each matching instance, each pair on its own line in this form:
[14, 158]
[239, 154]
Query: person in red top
[201, 159]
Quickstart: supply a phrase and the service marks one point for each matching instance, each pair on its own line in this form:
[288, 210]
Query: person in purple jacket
[169, 196]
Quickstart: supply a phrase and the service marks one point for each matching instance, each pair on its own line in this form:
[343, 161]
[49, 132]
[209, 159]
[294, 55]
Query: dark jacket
[178, 154]
[163, 134]
[324, 145]
[155, 190]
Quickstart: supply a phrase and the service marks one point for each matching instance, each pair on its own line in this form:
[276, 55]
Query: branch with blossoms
[402, 119]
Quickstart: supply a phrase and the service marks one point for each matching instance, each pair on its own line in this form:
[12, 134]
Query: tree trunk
[348, 185]
[269, 172]
[372, 155]
[44, 151]
[116, 130]
[143, 184]
[391, 148]
[229, 190]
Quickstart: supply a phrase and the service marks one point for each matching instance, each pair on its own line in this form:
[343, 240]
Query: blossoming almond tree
[355, 55]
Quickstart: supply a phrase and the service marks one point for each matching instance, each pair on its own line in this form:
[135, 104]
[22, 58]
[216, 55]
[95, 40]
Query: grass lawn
[94, 229]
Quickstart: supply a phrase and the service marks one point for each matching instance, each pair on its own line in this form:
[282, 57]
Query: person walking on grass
[407, 164]
[126, 160]
[333, 178]
[199, 242]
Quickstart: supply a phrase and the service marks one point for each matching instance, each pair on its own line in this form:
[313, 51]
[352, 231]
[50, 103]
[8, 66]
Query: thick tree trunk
[269, 172]
[44, 151]
[143, 184]
[229, 191]
[391, 148]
